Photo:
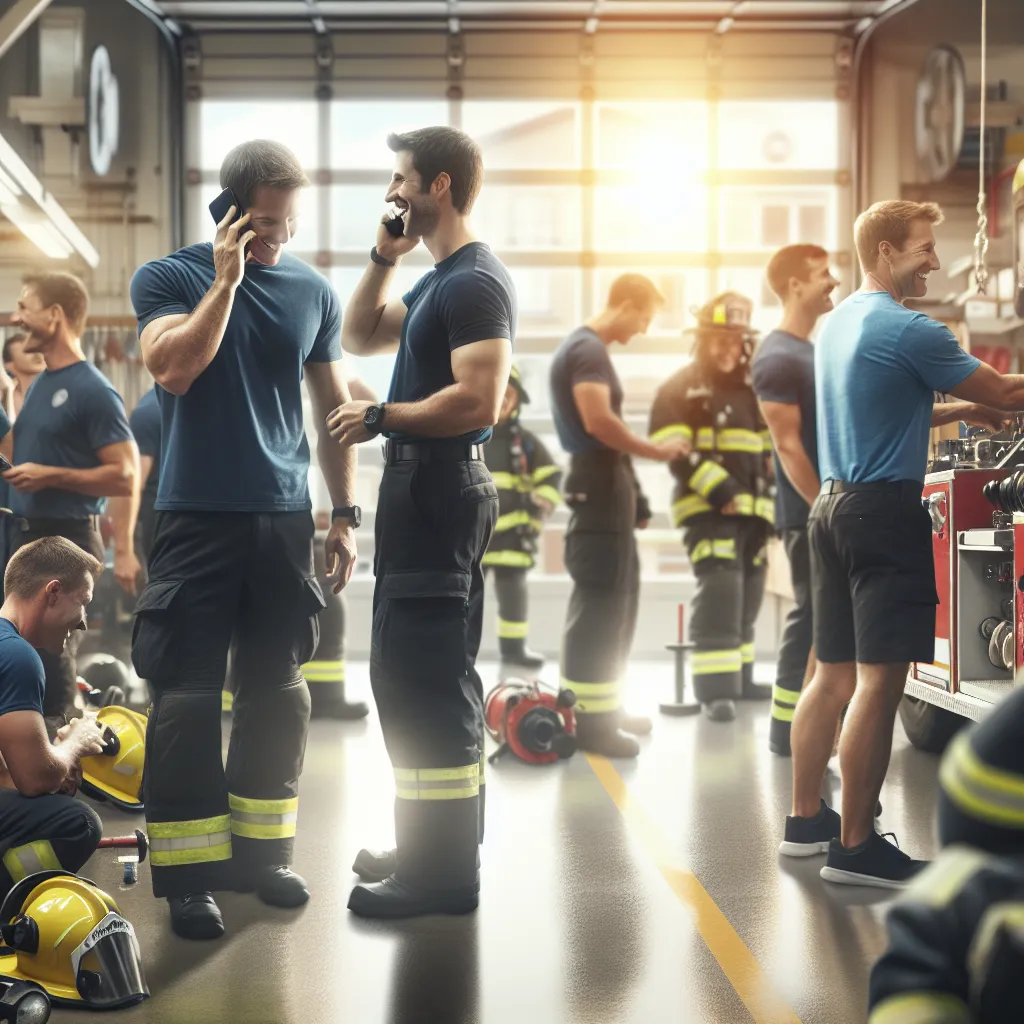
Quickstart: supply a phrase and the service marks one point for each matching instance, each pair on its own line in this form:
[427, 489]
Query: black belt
[431, 451]
[912, 488]
[53, 526]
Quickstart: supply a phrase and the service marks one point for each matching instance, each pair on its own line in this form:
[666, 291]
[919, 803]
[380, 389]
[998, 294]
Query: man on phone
[48, 584]
[71, 448]
[229, 331]
[453, 332]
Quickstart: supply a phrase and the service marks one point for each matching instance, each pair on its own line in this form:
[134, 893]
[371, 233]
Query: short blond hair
[889, 221]
[32, 567]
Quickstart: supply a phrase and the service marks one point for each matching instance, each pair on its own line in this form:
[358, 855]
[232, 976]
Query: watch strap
[379, 260]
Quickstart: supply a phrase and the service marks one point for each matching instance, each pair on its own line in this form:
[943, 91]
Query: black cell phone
[396, 225]
[220, 206]
[4, 464]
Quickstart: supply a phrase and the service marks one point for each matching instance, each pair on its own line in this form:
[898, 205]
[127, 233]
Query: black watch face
[372, 417]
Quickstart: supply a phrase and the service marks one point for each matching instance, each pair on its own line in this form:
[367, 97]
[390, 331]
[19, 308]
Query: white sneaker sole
[841, 877]
[802, 849]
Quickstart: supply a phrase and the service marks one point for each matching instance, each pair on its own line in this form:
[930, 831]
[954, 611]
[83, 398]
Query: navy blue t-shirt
[235, 440]
[145, 424]
[467, 297]
[783, 371]
[22, 679]
[581, 358]
[67, 416]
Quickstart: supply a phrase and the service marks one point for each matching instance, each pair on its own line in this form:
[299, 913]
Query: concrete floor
[612, 894]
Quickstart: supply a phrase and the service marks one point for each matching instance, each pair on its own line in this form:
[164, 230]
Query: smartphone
[396, 225]
[220, 206]
[4, 464]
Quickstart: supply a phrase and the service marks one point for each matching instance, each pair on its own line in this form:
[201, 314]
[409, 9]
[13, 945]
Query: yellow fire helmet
[66, 935]
[116, 775]
[1018, 178]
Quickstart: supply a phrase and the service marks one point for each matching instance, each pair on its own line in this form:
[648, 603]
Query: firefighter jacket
[522, 470]
[731, 446]
[953, 955]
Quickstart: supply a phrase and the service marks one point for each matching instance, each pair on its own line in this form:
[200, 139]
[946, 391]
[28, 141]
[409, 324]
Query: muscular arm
[35, 765]
[115, 476]
[594, 404]
[372, 324]
[785, 422]
[986, 386]
[473, 402]
[328, 390]
[361, 391]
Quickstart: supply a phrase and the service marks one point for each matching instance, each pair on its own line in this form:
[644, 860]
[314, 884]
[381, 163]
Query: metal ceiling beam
[18, 20]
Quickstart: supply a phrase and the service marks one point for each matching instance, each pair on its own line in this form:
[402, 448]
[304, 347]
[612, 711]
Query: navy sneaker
[807, 836]
[874, 862]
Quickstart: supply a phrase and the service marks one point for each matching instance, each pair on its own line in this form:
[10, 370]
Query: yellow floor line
[738, 964]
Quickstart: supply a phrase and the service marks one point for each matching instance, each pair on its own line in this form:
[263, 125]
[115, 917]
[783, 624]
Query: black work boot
[638, 725]
[720, 710]
[515, 652]
[601, 734]
[279, 886]
[436, 869]
[327, 700]
[375, 865]
[752, 690]
[778, 737]
[196, 916]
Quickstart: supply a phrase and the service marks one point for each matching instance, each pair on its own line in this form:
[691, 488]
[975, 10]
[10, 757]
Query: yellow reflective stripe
[198, 855]
[548, 493]
[785, 696]
[505, 481]
[707, 663]
[708, 476]
[22, 861]
[990, 794]
[747, 653]
[483, 767]
[244, 803]
[541, 473]
[724, 549]
[688, 507]
[1005, 918]
[921, 1008]
[744, 504]
[594, 698]
[782, 714]
[462, 783]
[738, 440]
[766, 440]
[706, 439]
[180, 829]
[512, 630]
[263, 830]
[512, 559]
[701, 550]
[324, 671]
[765, 508]
[227, 700]
[510, 520]
[944, 878]
[672, 430]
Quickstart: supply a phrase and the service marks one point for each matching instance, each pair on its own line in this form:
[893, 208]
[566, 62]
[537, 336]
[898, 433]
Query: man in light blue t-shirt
[878, 366]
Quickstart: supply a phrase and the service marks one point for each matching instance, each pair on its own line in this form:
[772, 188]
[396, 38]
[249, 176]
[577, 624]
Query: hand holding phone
[392, 241]
[233, 235]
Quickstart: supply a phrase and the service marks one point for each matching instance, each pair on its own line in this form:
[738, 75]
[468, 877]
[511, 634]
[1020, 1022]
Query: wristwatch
[353, 512]
[373, 419]
[379, 260]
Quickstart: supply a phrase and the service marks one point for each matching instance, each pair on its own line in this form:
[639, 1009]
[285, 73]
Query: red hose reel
[533, 721]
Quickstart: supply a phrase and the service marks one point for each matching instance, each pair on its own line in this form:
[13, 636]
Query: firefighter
[972, 897]
[607, 507]
[436, 511]
[722, 499]
[527, 480]
[229, 332]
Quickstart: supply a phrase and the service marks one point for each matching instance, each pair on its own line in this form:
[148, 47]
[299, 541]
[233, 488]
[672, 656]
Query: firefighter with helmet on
[722, 499]
[527, 480]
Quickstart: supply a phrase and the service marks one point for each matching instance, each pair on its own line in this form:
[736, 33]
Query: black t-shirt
[581, 358]
[145, 424]
[467, 297]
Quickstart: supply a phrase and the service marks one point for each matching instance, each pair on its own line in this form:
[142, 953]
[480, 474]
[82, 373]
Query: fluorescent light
[64, 229]
[37, 231]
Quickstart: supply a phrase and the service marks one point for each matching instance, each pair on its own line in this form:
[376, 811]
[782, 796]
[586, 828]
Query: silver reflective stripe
[265, 819]
[190, 842]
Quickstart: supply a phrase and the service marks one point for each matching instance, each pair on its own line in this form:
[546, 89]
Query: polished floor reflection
[613, 894]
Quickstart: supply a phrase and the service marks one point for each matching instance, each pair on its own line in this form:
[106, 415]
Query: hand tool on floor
[138, 842]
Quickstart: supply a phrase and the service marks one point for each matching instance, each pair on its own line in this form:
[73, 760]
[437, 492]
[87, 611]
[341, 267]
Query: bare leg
[866, 744]
[814, 726]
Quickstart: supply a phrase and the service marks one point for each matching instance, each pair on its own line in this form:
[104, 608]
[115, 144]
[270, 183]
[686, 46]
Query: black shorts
[873, 574]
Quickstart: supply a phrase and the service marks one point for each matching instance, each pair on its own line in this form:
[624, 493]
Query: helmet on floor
[107, 675]
[66, 935]
[116, 775]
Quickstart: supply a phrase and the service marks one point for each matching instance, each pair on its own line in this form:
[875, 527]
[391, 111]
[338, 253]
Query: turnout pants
[325, 672]
[62, 670]
[513, 609]
[214, 576]
[43, 833]
[602, 561]
[434, 520]
[728, 558]
[798, 636]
